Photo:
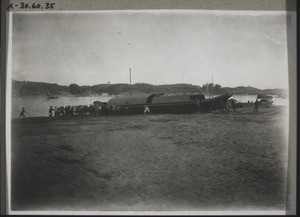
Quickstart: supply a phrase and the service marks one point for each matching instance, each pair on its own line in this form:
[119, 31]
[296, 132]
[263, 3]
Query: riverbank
[151, 162]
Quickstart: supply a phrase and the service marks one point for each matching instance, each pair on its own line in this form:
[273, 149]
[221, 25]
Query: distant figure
[114, 109]
[56, 112]
[127, 108]
[62, 111]
[226, 107]
[22, 113]
[72, 110]
[255, 106]
[100, 110]
[118, 110]
[50, 111]
[233, 105]
[147, 110]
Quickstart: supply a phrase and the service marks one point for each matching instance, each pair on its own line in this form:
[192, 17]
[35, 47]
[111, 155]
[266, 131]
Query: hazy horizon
[236, 48]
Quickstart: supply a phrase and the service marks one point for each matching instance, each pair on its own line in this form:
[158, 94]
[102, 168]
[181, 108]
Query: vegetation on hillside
[28, 88]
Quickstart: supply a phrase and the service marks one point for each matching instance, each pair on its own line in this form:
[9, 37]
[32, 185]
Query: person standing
[56, 112]
[22, 113]
[255, 106]
[99, 110]
[146, 110]
[233, 105]
[50, 111]
[114, 109]
[118, 110]
[127, 108]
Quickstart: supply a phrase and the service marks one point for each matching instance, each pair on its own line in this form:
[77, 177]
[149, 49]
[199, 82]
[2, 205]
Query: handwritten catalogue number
[22, 5]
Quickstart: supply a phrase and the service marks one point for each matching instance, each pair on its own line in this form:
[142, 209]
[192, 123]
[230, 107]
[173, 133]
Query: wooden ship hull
[215, 103]
[169, 103]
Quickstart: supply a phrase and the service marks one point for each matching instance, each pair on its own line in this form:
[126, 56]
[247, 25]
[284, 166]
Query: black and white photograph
[148, 111]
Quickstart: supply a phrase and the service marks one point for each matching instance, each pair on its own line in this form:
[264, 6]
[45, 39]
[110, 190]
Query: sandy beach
[151, 162]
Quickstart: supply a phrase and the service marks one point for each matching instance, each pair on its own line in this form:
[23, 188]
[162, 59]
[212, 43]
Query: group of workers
[104, 109]
[226, 106]
[231, 104]
[72, 110]
[92, 109]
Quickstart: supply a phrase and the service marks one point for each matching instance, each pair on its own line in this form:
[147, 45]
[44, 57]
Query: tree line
[43, 89]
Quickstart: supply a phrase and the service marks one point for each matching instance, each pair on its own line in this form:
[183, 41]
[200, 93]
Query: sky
[232, 48]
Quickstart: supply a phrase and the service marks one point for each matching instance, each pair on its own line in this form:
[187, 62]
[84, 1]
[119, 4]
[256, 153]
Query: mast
[207, 89]
[130, 75]
[130, 80]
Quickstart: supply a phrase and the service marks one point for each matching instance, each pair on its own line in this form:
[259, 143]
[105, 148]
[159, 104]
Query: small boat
[264, 96]
[266, 102]
[170, 103]
[52, 96]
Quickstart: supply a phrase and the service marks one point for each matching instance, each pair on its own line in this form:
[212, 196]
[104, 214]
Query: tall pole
[207, 89]
[130, 79]
[130, 75]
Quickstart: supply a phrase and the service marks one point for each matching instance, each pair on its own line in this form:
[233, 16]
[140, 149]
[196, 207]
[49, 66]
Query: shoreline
[239, 111]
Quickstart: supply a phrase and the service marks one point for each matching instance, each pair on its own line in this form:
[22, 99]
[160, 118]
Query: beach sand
[151, 162]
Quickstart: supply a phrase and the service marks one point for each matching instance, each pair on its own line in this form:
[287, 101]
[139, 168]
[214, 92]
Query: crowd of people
[92, 109]
[105, 109]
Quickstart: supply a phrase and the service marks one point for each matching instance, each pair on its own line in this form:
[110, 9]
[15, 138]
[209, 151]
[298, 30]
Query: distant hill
[29, 88]
[252, 91]
[241, 90]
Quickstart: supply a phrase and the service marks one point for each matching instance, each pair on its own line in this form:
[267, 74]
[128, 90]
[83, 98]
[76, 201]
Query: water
[277, 101]
[39, 106]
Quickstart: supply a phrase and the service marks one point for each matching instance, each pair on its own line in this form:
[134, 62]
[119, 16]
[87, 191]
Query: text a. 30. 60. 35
[22, 5]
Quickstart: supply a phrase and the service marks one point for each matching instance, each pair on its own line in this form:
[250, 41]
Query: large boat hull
[174, 108]
[157, 104]
[215, 103]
